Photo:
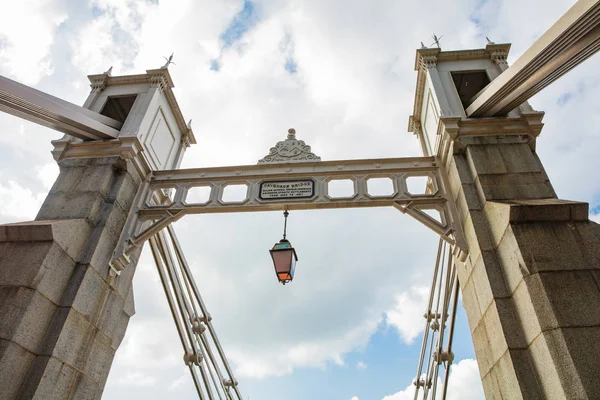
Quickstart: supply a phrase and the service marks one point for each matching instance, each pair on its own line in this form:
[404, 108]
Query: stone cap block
[69, 234]
[33, 231]
[541, 210]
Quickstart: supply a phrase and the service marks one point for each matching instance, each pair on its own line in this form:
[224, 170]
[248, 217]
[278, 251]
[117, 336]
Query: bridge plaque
[277, 190]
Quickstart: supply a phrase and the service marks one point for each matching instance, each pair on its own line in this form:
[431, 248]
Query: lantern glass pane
[284, 277]
[293, 267]
[282, 260]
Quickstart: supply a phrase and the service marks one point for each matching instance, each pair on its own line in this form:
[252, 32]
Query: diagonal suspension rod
[210, 370]
[441, 311]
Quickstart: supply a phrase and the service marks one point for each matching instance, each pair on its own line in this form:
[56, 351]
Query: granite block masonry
[62, 315]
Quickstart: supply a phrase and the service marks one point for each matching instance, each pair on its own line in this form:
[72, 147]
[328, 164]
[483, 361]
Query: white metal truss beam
[171, 187]
[163, 198]
[44, 109]
[571, 40]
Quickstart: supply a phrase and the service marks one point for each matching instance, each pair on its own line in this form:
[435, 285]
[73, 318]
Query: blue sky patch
[475, 18]
[97, 12]
[564, 98]
[480, 15]
[214, 65]
[242, 22]
[290, 65]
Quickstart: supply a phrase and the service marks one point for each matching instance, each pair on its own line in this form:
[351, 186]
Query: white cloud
[47, 173]
[406, 394]
[136, 378]
[27, 30]
[163, 344]
[177, 383]
[18, 203]
[111, 39]
[407, 314]
[361, 365]
[464, 384]
[354, 398]
[284, 357]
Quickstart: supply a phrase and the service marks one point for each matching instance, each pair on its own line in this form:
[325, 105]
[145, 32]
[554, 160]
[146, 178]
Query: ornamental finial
[169, 61]
[436, 40]
[290, 150]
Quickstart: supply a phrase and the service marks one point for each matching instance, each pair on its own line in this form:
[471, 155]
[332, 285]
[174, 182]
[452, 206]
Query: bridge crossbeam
[291, 186]
[167, 196]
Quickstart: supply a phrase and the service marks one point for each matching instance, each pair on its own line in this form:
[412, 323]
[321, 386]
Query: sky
[341, 73]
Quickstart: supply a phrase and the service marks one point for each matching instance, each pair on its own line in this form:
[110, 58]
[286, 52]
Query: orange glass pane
[284, 277]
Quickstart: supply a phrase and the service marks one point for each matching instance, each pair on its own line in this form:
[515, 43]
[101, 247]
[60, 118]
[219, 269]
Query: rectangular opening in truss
[198, 195]
[380, 187]
[341, 188]
[235, 193]
[417, 185]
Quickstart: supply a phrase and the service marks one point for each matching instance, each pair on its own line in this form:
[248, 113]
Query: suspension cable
[193, 322]
[443, 297]
[232, 382]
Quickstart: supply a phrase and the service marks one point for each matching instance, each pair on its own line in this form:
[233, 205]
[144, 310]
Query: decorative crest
[290, 150]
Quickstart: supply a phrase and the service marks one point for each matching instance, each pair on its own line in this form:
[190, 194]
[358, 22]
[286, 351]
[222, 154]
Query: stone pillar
[63, 309]
[62, 314]
[531, 282]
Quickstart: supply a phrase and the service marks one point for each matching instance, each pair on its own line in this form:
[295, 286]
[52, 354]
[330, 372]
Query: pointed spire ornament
[290, 150]
[436, 40]
[169, 61]
[423, 45]
[489, 41]
[109, 71]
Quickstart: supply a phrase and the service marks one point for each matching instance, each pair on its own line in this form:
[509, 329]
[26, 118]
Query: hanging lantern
[284, 257]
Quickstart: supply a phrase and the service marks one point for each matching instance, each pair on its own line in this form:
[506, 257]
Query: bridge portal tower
[63, 309]
[531, 281]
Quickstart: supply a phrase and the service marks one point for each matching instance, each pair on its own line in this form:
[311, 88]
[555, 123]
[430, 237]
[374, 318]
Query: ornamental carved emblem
[290, 150]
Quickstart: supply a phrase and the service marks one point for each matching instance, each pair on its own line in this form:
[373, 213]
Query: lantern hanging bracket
[285, 216]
